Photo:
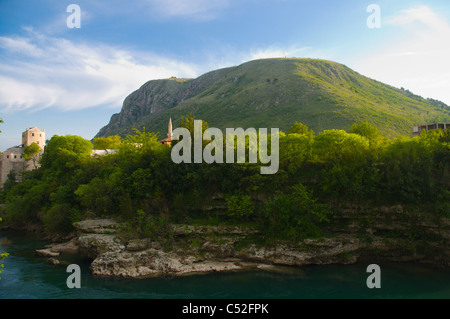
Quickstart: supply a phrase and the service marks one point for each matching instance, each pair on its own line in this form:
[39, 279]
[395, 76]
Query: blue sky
[70, 81]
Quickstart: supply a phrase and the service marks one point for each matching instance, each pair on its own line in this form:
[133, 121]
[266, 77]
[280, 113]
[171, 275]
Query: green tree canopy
[340, 146]
[31, 152]
[110, 142]
[188, 122]
[446, 136]
[300, 128]
[368, 131]
[65, 151]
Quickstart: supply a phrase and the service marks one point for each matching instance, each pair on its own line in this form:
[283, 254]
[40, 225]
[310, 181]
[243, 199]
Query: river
[27, 276]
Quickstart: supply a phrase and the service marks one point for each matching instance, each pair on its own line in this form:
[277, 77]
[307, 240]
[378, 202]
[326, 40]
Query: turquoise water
[27, 276]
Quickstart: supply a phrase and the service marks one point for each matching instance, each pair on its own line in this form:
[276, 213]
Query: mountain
[275, 93]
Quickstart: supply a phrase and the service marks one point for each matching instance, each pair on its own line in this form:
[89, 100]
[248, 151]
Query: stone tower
[33, 135]
[13, 160]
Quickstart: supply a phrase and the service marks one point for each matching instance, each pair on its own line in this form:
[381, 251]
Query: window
[38, 142]
[15, 156]
[7, 156]
[32, 134]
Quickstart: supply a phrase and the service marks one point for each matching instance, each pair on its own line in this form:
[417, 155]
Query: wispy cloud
[419, 59]
[39, 71]
[419, 17]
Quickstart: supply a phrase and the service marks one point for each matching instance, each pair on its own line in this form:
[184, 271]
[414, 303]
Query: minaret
[169, 133]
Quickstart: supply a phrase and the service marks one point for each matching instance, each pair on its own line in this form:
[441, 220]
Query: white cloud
[21, 46]
[288, 52]
[40, 71]
[419, 59]
[225, 56]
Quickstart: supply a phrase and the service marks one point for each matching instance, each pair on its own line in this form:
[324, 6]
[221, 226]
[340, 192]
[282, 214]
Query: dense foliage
[141, 185]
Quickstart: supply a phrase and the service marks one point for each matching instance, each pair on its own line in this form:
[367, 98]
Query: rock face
[155, 97]
[201, 249]
[97, 226]
[197, 249]
[96, 237]
[46, 253]
[359, 234]
[155, 262]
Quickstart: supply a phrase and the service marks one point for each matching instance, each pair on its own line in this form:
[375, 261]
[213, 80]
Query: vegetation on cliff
[140, 184]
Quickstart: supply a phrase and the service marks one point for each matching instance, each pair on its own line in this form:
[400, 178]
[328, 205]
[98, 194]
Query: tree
[294, 150]
[239, 206]
[64, 152]
[445, 138]
[32, 152]
[138, 144]
[294, 215]
[300, 128]
[369, 131]
[1, 121]
[339, 146]
[188, 122]
[110, 142]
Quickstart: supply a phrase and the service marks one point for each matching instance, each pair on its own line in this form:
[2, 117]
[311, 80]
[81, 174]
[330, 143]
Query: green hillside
[276, 93]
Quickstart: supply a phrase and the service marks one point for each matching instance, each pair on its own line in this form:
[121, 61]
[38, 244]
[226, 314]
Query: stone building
[427, 127]
[12, 159]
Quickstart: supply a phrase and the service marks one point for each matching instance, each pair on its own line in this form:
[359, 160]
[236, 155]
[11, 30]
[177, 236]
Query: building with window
[12, 159]
[427, 127]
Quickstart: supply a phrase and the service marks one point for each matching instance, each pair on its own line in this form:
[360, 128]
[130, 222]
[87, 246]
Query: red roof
[167, 139]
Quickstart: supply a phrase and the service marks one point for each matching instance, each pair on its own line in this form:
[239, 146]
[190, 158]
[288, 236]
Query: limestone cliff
[155, 97]
[357, 233]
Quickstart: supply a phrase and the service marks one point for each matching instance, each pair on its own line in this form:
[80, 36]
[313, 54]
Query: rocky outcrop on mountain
[155, 97]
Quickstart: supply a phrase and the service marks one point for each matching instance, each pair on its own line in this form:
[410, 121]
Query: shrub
[145, 225]
[59, 219]
[240, 206]
[294, 216]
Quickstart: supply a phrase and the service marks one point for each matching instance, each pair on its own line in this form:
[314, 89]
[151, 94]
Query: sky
[68, 73]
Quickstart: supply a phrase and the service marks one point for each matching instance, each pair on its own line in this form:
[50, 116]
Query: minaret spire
[169, 133]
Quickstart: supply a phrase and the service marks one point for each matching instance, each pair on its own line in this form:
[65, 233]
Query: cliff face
[275, 93]
[155, 97]
[356, 234]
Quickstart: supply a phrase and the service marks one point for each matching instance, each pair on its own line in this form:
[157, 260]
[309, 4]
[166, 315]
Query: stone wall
[11, 159]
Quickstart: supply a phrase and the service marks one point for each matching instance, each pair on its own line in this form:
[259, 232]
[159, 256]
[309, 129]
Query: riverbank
[199, 249]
